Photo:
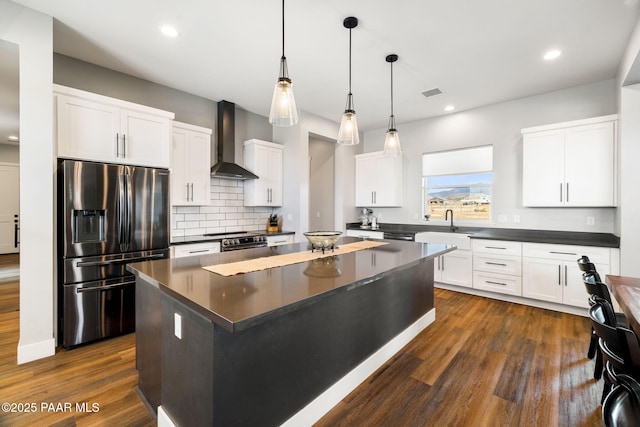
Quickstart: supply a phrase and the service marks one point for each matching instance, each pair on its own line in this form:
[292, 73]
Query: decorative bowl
[322, 239]
[323, 267]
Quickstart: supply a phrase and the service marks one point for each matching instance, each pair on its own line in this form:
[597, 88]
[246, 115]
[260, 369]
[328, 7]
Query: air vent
[431, 92]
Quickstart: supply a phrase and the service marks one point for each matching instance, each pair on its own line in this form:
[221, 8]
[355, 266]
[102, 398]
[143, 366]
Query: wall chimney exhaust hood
[226, 145]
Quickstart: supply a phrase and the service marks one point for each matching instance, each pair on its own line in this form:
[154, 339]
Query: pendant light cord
[283, 29]
[391, 89]
[349, 61]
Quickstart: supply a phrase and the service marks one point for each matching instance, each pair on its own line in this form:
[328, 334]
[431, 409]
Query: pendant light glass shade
[283, 104]
[392, 146]
[348, 133]
[392, 141]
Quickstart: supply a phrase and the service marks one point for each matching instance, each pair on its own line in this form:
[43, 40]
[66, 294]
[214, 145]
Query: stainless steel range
[240, 240]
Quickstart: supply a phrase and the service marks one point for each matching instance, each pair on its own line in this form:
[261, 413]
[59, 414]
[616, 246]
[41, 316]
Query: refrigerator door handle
[105, 288]
[118, 261]
[121, 212]
[129, 201]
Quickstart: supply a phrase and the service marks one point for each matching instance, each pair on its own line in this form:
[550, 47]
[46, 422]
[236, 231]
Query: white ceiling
[476, 52]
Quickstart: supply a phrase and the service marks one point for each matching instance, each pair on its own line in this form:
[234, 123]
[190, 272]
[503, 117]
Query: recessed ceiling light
[13, 138]
[169, 31]
[552, 54]
[449, 108]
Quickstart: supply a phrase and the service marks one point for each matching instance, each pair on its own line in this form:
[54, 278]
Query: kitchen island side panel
[265, 374]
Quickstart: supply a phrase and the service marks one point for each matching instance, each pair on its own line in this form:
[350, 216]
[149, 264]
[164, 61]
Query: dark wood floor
[482, 363]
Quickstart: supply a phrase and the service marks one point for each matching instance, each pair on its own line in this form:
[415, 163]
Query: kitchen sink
[461, 240]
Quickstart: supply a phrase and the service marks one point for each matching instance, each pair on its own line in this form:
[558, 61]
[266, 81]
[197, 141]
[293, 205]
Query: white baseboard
[163, 418]
[38, 350]
[338, 391]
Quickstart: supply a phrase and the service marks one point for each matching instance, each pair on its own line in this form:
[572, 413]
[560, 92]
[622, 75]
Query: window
[468, 196]
[460, 180]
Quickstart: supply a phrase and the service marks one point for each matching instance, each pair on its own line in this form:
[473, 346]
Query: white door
[456, 268]
[9, 208]
[145, 139]
[542, 279]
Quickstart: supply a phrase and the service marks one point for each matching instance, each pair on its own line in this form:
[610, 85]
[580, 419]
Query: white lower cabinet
[454, 268]
[365, 234]
[497, 266]
[551, 272]
[280, 239]
[194, 249]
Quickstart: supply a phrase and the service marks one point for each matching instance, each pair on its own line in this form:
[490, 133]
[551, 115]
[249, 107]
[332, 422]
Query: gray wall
[9, 153]
[321, 183]
[500, 124]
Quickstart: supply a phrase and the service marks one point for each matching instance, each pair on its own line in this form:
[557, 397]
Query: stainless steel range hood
[226, 140]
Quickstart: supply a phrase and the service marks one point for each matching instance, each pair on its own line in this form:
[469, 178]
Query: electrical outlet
[289, 217]
[516, 219]
[318, 214]
[416, 216]
[502, 218]
[591, 220]
[177, 325]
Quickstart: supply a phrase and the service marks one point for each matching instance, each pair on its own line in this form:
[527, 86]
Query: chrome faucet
[446, 217]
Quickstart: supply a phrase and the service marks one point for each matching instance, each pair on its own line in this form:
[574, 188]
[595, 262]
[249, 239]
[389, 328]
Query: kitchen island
[277, 344]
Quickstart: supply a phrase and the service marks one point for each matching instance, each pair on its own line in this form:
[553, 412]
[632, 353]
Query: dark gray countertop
[241, 301]
[606, 240]
[182, 240]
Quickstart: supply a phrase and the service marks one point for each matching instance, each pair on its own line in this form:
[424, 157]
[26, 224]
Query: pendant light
[348, 133]
[283, 105]
[392, 140]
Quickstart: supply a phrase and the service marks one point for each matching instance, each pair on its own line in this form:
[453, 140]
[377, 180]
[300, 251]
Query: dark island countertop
[606, 240]
[183, 240]
[242, 301]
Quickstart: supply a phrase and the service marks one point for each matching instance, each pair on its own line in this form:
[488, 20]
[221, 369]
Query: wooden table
[626, 291]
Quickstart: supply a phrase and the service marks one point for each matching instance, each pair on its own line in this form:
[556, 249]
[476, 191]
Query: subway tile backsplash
[225, 213]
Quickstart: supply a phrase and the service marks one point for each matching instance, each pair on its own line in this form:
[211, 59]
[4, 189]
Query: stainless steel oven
[399, 235]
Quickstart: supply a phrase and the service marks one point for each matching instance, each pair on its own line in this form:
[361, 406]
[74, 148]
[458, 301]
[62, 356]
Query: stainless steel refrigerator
[108, 216]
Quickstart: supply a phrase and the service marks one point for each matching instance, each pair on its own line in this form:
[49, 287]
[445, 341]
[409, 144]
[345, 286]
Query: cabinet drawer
[495, 282]
[498, 264]
[366, 234]
[496, 247]
[283, 239]
[566, 252]
[195, 249]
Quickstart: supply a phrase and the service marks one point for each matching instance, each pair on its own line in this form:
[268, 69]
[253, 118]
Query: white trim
[338, 391]
[37, 350]
[581, 122]
[164, 420]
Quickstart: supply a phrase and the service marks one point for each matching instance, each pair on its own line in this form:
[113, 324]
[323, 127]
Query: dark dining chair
[618, 345]
[621, 408]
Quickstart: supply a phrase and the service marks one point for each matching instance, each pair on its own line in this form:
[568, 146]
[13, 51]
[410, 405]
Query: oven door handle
[118, 261]
[105, 288]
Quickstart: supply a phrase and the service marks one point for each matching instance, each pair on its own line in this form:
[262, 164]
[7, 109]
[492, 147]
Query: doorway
[321, 184]
[9, 178]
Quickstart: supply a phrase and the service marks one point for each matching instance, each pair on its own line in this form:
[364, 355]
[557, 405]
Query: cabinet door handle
[563, 253]
[124, 146]
[560, 192]
[438, 263]
[495, 247]
[495, 283]
[199, 251]
[567, 191]
[496, 263]
[117, 145]
[565, 275]
[443, 263]
[16, 229]
[559, 275]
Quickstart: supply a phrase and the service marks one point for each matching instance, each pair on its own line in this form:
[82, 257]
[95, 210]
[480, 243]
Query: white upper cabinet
[99, 128]
[570, 164]
[190, 165]
[265, 159]
[378, 180]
